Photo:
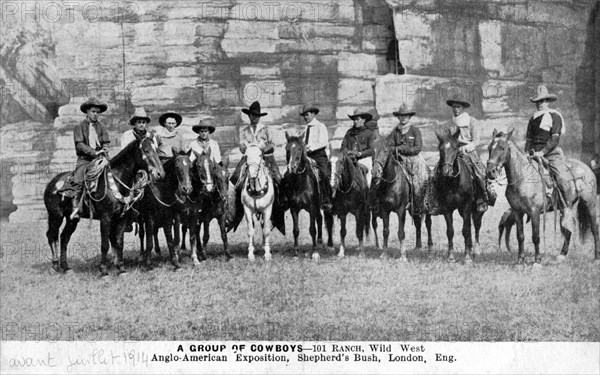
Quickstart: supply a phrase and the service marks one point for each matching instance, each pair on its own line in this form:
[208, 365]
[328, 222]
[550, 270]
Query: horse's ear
[456, 133]
[226, 162]
[510, 132]
[439, 136]
[287, 136]
[494, 133]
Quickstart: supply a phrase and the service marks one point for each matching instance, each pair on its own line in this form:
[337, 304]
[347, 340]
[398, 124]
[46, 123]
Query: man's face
[541, 105]
[457, 109]
[203, 134]
[254, 119]
[308, 116]
[93, 113]
[404, 119]
[170, 124]
[359, 122]
[140, 124]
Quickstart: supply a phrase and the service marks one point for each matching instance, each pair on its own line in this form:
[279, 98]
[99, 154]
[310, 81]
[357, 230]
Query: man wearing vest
[91, 140]
[316, 138]
[543, 135]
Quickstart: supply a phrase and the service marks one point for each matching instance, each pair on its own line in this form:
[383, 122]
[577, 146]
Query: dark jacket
[359, 139]
[408, 144]
[81, 136]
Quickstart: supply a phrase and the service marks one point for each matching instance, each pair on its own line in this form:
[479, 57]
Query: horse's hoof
[384, 255]
[316, 257]
[403, 259]
[451, 260]
[330, 244]
[418, 248]
[68, 272]
[561, 258]
[476, 250]
[196, 263]
[536, 266]
[468, 261]
[361, 255]
[341, 255]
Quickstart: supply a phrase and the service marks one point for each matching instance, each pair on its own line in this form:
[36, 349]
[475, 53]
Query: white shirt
[213, 146]
[318, 137]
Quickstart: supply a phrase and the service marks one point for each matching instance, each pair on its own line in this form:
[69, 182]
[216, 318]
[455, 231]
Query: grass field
[296, 299]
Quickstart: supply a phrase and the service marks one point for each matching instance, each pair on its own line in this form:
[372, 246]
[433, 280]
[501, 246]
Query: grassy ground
[296, 299]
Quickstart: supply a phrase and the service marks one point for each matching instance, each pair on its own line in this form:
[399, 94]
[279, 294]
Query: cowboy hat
[139, 114]
[542, 93]
[361, 112]
[404, 111]
[166, 115]
[93, 102]
[458, 100]
[204, 123]
[309, 108]
[254, 110]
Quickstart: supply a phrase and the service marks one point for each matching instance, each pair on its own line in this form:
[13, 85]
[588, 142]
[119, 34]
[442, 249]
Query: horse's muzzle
[492, 170]
[447, 171]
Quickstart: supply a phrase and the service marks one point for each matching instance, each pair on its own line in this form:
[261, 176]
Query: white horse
[258, 195]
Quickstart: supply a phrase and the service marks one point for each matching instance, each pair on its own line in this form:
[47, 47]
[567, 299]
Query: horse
[214, 199]
[392, 189]
[454, 177]
[350, 195]
[258, 196]
[301, 186]
[109, 202]
[525, 193]
[161, 205]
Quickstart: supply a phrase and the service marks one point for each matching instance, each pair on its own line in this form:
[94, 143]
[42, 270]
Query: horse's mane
[125, 153]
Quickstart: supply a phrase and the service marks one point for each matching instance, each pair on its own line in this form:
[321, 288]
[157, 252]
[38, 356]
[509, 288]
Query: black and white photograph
[308, 186]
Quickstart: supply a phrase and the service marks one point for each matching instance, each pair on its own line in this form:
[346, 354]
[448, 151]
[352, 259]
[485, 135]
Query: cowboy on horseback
[171, 140]
[316, 138]
[91, 140]
[358, 141]
[203, 143]
[543, 135]
[407, 143]
[259, 134]
[140, 120]
[468, 138]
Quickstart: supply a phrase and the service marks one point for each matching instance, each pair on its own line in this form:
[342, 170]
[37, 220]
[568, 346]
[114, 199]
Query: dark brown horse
[392, 189]
[108, 203]
[454, 179]
[525, 193]
[301, 187]
[350, 195]
[161, 206]
[214, 199]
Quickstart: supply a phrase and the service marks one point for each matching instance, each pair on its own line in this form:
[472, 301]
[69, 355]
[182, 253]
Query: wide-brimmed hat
[309, 108]
[139, 114]
[93, 102]
[541, 93]
[254, 110]
[361, 112]
[458, 100]
[166, 115]
[204, 123]
[404, 111]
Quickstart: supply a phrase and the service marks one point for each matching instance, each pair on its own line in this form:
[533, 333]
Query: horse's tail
[506, 222]
[585, 218]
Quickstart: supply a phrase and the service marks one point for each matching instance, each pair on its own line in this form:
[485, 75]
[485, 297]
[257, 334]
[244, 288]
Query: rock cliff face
[495, 53]
[212, 58]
